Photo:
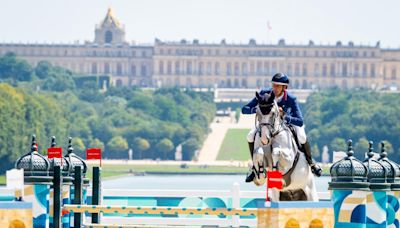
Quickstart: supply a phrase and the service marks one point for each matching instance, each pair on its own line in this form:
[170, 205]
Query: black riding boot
[316, 169]
[250, 176]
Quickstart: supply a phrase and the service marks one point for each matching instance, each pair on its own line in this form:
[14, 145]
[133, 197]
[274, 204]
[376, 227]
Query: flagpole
[268, 32]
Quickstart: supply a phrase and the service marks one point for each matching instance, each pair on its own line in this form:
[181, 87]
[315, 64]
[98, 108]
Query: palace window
[259, 68]
[108, 37]
[324, 70]
[119, 69]
[333, 70]
[356, 70]
[394, 73]
[177, 68]
[364, 70]
[266, 68]
[201, 68]
[133, 70]
[209, 68]
[244, 83]
[297, 69]
[161, 67]
[169, 68]
[251, 68]
[245, 70]
[237, 69]
[106, 68]
[316, 69]
[236, 85]
[344, 69]
[273, 67]
[228, 69]
[189, 69]
[304, 71]
[289, 69]
[217, 69]
[372, 70]
[94, 68]
[143, 70]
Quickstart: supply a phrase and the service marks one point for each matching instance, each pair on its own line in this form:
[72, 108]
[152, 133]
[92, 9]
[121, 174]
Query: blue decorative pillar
[349, 186]
[393, 178]
[37, 184]
[376, 198]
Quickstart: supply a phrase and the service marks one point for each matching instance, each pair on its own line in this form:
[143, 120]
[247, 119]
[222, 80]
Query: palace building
[223, 65]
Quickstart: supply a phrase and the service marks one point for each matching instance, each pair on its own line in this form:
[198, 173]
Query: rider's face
[278, 89]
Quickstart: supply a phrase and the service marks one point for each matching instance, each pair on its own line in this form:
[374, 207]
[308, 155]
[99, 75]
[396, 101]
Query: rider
[290, 112]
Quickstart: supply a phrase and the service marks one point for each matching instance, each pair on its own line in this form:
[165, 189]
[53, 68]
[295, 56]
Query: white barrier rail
[235, 194]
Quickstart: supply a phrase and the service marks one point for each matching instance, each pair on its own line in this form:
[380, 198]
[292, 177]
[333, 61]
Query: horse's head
[265, 102]
[268, 117]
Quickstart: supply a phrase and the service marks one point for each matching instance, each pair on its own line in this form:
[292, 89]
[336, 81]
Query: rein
[269, 126]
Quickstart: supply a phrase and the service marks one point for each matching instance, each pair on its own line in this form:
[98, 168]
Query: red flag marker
[54, 152]
[93, 154]
[274, 180]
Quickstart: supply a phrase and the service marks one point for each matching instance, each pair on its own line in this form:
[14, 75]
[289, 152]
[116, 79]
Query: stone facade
[194, 64]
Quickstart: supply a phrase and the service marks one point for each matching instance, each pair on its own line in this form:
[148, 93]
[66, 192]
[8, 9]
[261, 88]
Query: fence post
[57, 185]
[78, 195]
[235, 203]
[96, 193]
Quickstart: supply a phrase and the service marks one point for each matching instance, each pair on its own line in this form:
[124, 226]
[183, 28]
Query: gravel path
[219, 127]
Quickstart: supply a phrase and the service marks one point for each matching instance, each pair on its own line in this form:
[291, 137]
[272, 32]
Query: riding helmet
[280, 79]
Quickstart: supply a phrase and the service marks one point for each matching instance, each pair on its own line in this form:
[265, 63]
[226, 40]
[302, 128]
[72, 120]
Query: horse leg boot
[250, 176]
[316, 169]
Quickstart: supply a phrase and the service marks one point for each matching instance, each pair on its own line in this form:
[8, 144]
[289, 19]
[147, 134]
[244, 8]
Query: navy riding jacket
[288, 103]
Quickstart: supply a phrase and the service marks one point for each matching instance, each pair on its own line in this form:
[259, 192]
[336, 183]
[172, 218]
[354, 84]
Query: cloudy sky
[297, 21]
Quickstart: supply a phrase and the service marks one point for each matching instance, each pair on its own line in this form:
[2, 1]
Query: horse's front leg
[275, 154]
[311, 191]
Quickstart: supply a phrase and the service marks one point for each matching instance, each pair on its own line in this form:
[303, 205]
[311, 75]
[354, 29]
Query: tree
[79, 146]
[43, 69]
[338, 144]
[117, 145]
[140, 145]
[189, 148]
[361, 147]
[165, 146]
[96, 143]
[388, 147]
[15, 69]
[315, 151]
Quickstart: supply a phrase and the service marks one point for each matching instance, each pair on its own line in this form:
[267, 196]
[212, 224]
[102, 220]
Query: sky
[237, 21]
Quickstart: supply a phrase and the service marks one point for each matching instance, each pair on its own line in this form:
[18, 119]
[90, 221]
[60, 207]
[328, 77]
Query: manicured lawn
[234, 146]
[2, 179]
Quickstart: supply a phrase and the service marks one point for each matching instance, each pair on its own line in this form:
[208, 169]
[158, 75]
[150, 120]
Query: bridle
[274, 131]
